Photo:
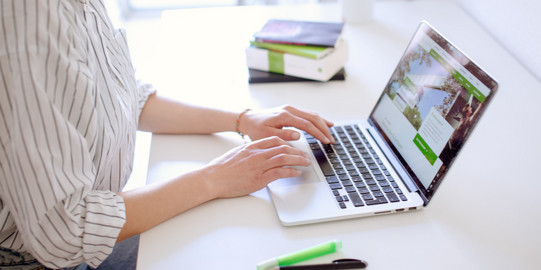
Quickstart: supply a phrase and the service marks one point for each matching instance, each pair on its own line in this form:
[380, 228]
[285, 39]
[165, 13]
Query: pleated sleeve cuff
[105, 217]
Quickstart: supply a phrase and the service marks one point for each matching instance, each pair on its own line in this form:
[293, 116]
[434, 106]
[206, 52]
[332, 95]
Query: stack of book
[297, 49]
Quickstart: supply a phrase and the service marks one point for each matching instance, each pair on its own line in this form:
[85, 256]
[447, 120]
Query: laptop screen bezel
[428, 192]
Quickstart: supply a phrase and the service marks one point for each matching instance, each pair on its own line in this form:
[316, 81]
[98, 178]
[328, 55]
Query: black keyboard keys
[352, 167]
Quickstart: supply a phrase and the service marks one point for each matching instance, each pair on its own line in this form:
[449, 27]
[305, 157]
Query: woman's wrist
[241, 130]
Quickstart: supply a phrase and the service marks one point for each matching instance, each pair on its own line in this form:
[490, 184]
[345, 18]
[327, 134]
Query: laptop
[395, 160]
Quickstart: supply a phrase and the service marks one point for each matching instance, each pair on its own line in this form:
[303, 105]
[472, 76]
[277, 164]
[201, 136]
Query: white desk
[477, 219]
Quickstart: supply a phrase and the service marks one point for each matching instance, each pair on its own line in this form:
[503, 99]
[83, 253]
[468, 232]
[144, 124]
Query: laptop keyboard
[355, 173]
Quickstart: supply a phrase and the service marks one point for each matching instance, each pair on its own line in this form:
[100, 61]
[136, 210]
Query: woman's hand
[262, 124]
[250, 167]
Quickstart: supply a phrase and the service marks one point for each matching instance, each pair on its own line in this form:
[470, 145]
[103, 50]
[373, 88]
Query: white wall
[514, 23]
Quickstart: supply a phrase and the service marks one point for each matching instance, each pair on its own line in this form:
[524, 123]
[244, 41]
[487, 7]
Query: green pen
[301, 255]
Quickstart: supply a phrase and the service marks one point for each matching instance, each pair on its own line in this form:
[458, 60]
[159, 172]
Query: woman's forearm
[242, 170]
[162, 115]
[153, 204]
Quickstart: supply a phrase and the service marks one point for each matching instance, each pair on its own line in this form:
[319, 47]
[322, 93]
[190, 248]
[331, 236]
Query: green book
[295, 65]
[312, 52]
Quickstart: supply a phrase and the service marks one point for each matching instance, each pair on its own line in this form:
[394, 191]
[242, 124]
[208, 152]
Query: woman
[70, 108]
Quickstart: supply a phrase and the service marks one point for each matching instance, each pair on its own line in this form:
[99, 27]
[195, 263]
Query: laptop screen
[430, 105]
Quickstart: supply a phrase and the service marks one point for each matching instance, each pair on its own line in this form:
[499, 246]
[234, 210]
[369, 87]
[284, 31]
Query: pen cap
[310, 253]
[268, 264]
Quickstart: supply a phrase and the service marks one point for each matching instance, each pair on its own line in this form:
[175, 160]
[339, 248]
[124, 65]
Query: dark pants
[124, 256]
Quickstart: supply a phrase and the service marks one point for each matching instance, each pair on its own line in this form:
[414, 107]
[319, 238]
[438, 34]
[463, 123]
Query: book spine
[292, 49]
[305, 51]
[294, 65]
[266, 40]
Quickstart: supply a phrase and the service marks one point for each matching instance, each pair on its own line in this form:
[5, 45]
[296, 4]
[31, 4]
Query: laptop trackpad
[308, 175]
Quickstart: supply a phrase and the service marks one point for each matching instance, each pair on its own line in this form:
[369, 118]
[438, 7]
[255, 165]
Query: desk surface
[484, 216]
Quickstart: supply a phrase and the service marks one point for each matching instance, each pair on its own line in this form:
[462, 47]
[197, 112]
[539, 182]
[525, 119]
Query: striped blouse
[69, 109]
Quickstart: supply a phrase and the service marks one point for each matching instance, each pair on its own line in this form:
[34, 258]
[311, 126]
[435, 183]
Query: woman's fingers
[275, 152]
[263, 124]
[281, 172]
[309, 122]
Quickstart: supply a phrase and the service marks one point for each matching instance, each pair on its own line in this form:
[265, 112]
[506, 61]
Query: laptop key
[360, 184]
[364, 190]
[367, 197]
[332, 179]
[347, 183]
[355, 199]
[377, 200]
[335, 186]
[371, 182]
[364, 171]
[328, 148]
[373, 167]
[347, 163]
[323, 163]
[383, 184]
[368, 177]
[392, 197]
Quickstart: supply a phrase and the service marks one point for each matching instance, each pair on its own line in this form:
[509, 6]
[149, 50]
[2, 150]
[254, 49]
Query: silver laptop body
[395, 160]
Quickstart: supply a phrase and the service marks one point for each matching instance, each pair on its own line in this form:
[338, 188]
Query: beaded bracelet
[238, 122]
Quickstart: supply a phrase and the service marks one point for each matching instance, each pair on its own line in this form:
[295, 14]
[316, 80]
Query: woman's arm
[162, 115]
[241, 171]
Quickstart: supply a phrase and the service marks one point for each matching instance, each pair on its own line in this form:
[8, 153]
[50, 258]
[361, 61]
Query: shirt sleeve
[144, 90]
